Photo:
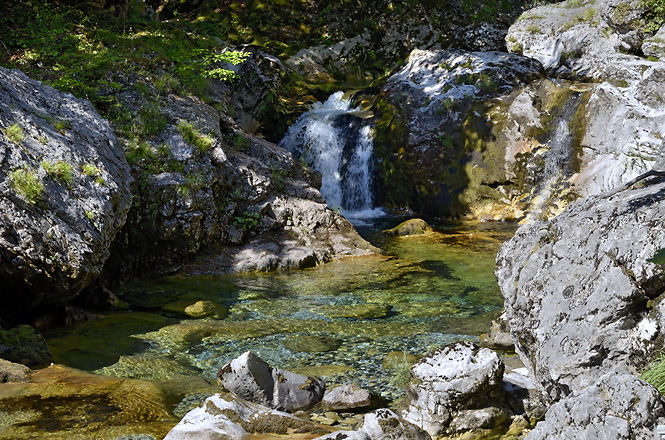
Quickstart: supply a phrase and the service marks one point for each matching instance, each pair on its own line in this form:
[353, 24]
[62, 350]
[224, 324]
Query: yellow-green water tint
[424, 292]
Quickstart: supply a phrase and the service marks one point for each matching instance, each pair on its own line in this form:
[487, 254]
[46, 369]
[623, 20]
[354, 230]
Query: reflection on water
[339, 321]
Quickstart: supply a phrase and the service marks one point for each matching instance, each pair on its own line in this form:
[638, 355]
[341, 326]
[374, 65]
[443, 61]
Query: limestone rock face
[243, 199]
[620, 129]
[452, 388]
[252, 379]
[64, 192]
[655, 46]
[233, 418]
[616, 406]
[577, 288]
[432, 120]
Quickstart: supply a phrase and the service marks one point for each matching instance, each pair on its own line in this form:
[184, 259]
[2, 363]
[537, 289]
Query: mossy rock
[414, 226]
[197, 309]
[399, 359]
[24, 345]
[312, 344]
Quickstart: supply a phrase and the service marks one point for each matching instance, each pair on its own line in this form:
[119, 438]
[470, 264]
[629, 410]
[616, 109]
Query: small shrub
[138, 151]
[192, 135]
[15, 134]
[60, 170]
[25, 182]
[534, 29]
[247, 220]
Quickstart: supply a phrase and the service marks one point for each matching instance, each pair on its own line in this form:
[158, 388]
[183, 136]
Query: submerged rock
[579, 290]
[64, 185]
[615, 407]
[455, 389]
[251, 378]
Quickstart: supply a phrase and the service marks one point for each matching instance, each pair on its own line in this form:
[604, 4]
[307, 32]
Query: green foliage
[278, 178]
[247, 220]
[94, 172]
[60, 170]
[15, 134]
[61, 125]
[27, 183]
[240, 142]
[192, 135]
[153, 121]
[654, 373]
[656, 15]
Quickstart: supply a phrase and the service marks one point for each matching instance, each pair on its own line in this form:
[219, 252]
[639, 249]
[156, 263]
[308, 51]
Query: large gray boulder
[615, 407]
[64, 192]
[456, 389]
[252, 379]
[579, 288]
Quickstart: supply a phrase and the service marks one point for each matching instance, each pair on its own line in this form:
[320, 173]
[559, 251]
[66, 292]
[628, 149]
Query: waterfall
[552, 174]
[333, 139]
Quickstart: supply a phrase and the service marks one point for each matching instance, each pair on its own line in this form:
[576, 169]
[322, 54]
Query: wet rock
[24, 345]
[312, 344]
[12, 372]
[230, 417]
[498, 337]
[616, 406]
[252, 379]
[381, 424]
[413, 226]
[197, 309]
[581, 49]
[459, 380]
[65, 185]
[577, 289]
[431, 115]
[347, 397]
[148, 368]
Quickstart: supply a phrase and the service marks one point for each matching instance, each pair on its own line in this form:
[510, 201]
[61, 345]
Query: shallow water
[338, 321]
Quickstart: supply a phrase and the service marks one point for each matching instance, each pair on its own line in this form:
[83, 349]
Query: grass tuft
[192, 135]
[654, 373]
[15, 134]
[60, 170]
[27, 183]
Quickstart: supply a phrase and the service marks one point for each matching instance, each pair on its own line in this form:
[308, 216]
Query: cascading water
[552, 174]
[334, 139]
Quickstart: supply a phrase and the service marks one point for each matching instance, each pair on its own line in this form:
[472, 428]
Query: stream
[342, 321]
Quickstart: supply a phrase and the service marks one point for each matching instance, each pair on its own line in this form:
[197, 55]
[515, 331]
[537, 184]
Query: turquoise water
[339, 321]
